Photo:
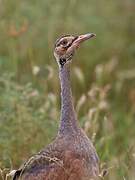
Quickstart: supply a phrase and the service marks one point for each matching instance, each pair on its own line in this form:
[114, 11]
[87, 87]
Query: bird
[71, 156]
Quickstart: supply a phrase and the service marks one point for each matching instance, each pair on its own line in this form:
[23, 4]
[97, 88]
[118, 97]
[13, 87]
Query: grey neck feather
[68, 122]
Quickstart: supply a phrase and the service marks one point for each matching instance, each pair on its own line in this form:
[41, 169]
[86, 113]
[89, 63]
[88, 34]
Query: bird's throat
[68, 122]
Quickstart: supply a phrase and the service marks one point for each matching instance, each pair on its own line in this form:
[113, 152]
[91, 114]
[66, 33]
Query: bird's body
[67, 158]
[71, 156]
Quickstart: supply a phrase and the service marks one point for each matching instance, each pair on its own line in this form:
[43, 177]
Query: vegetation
[103, 79]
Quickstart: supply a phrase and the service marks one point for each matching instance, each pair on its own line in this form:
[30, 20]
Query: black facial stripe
[71, 42]
[68, 46]
[74, 39]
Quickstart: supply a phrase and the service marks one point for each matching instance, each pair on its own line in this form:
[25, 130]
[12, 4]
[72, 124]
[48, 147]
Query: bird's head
[66, 46]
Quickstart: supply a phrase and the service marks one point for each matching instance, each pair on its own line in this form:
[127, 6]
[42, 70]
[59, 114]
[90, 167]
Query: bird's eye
[64, 42]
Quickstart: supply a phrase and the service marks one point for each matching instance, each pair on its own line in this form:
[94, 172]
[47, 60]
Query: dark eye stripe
[71, 42]
[74, 39]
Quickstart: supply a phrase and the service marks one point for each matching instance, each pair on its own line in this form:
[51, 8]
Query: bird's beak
[82, 38]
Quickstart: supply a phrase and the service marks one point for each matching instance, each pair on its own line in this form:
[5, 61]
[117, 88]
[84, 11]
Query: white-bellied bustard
[71, 156]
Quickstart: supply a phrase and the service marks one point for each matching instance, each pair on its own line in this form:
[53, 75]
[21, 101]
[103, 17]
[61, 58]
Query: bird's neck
[68, 120]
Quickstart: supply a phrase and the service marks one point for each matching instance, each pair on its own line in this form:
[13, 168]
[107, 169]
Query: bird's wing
[41, 167]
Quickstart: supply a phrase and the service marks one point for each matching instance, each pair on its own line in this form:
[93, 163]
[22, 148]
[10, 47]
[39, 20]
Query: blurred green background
[103, 79]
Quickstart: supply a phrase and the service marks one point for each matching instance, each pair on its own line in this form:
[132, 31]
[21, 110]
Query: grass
[103, 79]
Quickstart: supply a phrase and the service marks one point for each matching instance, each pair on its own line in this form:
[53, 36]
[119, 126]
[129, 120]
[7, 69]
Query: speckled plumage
[67, 157]
[71, 156]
